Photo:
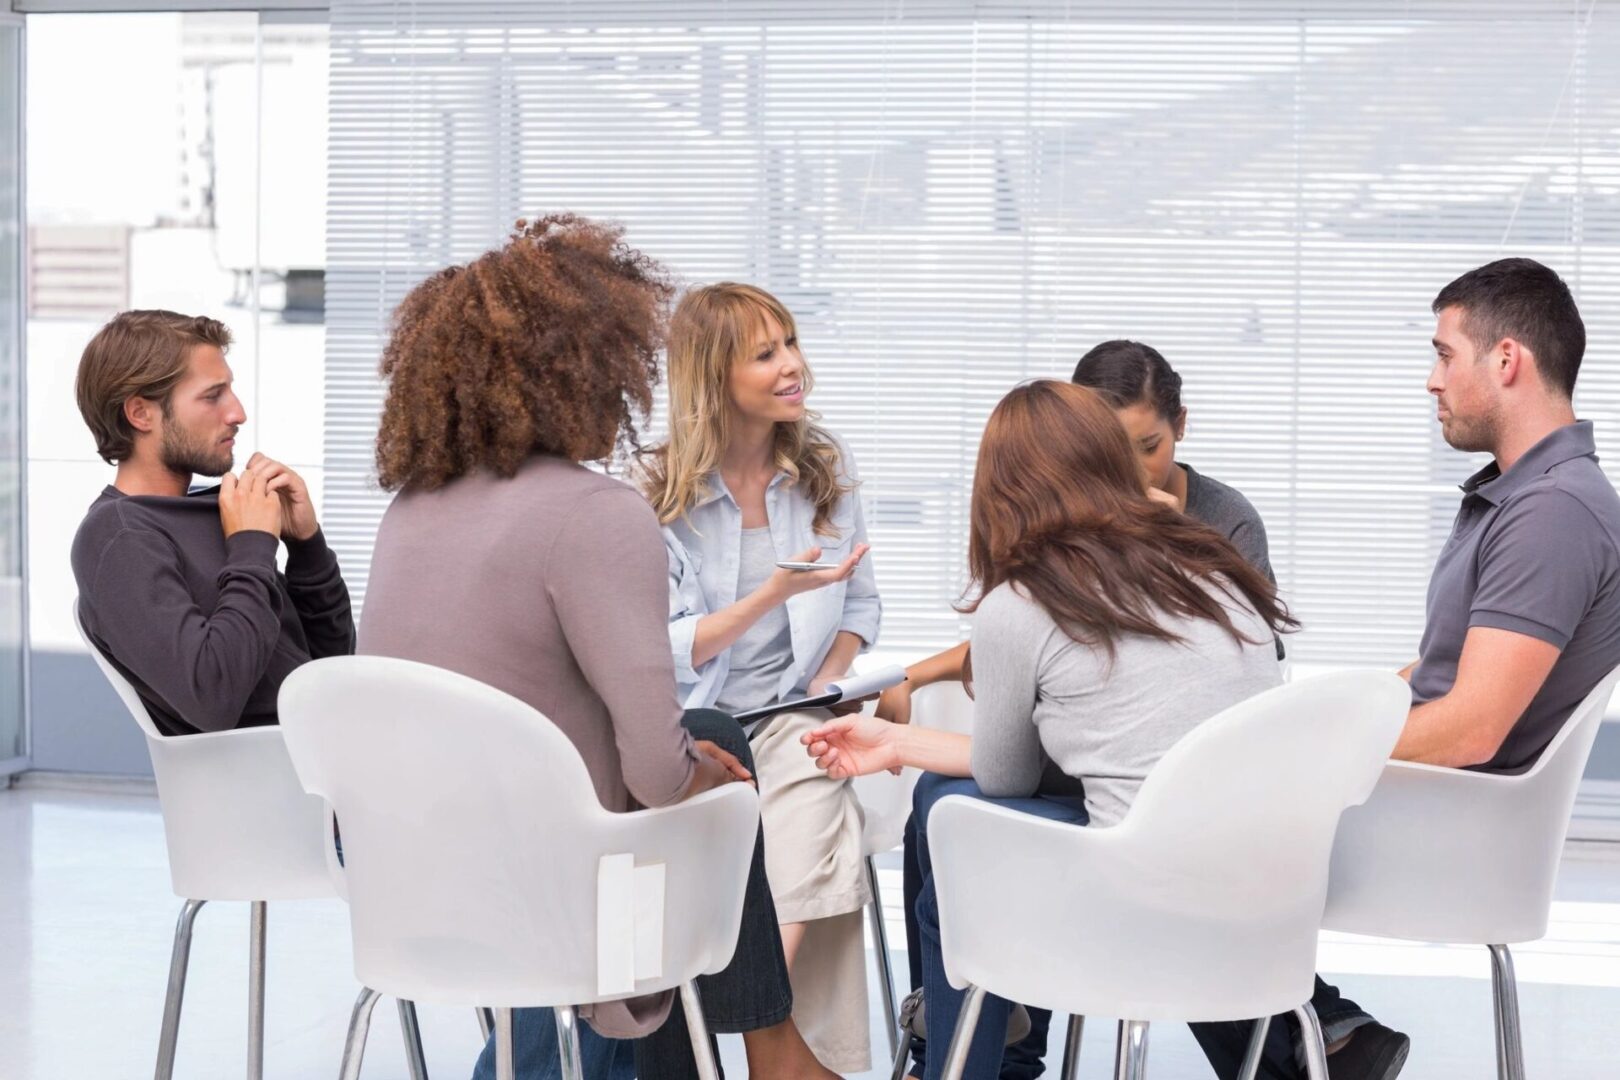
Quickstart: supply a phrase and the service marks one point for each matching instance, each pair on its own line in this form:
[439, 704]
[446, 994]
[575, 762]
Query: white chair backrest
[473, 840]
[885, 798]
[885, 804]
[1557, 771]
[944, 706]
[1204, 903]
[237, 823]
[1272, 774]
[121, 686]
[1454, 855]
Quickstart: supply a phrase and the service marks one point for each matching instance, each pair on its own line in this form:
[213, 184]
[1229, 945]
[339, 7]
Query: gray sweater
[1226, 510]
[1041, 697]
[551, 585]
[1229, 512]
[204, 627]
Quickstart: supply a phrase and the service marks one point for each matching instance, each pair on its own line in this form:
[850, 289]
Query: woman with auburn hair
[748, 479]
[1108, 626]
[1144, 391]
[505, 559]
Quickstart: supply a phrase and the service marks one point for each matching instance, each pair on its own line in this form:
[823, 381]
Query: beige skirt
[817, 871]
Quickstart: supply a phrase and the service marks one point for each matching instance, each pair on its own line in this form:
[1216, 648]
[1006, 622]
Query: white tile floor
[86, 918]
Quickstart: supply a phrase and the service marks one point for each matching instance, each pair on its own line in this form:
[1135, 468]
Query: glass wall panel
[189, 175]
[13, 636]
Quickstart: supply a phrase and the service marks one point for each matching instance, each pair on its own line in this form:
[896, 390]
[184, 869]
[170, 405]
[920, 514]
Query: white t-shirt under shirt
[1040, 696]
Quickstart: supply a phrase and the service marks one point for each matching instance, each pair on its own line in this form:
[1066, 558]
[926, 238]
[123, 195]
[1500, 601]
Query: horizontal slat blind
[953, 196]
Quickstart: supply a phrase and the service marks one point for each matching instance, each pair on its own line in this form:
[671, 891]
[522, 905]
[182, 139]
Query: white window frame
[74, 7]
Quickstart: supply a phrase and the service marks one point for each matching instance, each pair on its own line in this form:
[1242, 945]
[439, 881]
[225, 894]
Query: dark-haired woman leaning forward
[505, 559]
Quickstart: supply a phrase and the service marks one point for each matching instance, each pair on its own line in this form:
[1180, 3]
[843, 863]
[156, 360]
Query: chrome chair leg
[698, 1030]
[962, 1038]
[169, 1034]
[1257, 1047]
[1310, 1029]
[880, 941]
[486, 1022]
[1505, 992]
[257, 919]
[1071, 1047]
[1130, 1054]
[902, 1057]
[354, 1045]
[568, 1042]
[411, 1031]
[505, 1066]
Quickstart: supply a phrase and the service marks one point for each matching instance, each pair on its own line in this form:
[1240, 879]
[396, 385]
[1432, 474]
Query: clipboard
[849, 688]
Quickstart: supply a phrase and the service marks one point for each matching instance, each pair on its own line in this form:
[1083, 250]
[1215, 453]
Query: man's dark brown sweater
[204, 627]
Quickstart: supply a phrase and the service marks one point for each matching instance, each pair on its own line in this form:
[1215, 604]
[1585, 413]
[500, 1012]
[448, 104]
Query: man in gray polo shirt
[1524, 604]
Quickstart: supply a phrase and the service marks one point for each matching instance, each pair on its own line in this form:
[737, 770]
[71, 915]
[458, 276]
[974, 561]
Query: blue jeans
[750, 993]
[1224, 1044]
[988, 1057]
[534, 1051]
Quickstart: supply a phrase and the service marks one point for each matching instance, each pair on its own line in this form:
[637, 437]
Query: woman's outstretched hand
[785, 583]
[848, 746]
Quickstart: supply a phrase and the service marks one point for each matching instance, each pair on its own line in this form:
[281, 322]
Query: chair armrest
[1427, 857]
[238, 822]
[706, 845]
[1118, 929]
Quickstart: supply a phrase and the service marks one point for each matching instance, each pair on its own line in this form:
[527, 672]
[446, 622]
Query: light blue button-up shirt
[704, 557]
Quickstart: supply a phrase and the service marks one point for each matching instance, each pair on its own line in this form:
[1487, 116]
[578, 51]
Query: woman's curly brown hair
[548, 344]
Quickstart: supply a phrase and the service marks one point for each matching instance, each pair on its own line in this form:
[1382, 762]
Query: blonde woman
[748, 479]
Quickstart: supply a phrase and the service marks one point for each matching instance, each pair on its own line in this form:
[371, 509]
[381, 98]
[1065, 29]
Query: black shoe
[913, 1021]
[1374, 1052]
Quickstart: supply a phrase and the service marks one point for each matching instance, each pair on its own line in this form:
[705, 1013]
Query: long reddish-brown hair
[1060, 508]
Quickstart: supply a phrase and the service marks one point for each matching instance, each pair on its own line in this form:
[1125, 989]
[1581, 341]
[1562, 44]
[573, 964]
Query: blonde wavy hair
[713, 329]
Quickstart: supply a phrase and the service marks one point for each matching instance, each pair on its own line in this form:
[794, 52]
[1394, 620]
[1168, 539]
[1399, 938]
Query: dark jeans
[534, 1051]
[750, 993]
[1224, 1044]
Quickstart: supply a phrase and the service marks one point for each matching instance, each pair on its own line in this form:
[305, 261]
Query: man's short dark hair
[1523, 300]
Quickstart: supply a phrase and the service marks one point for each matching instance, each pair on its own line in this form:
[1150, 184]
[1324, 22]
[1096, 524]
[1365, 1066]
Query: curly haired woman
[505, 559]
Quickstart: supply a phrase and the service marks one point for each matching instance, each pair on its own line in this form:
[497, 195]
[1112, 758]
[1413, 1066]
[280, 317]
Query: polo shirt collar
[1565, 444]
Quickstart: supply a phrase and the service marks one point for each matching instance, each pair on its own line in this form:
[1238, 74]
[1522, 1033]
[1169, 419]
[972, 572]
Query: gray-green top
[765, 650]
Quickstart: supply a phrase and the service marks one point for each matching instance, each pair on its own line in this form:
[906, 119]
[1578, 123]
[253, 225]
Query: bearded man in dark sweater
[179, 588]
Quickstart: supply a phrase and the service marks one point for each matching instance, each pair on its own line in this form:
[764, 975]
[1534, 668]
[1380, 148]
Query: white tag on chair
[629, 923]
[650, 921]
[615, 924]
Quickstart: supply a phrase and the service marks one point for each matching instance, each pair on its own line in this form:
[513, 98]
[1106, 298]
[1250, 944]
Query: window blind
[954, 196]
